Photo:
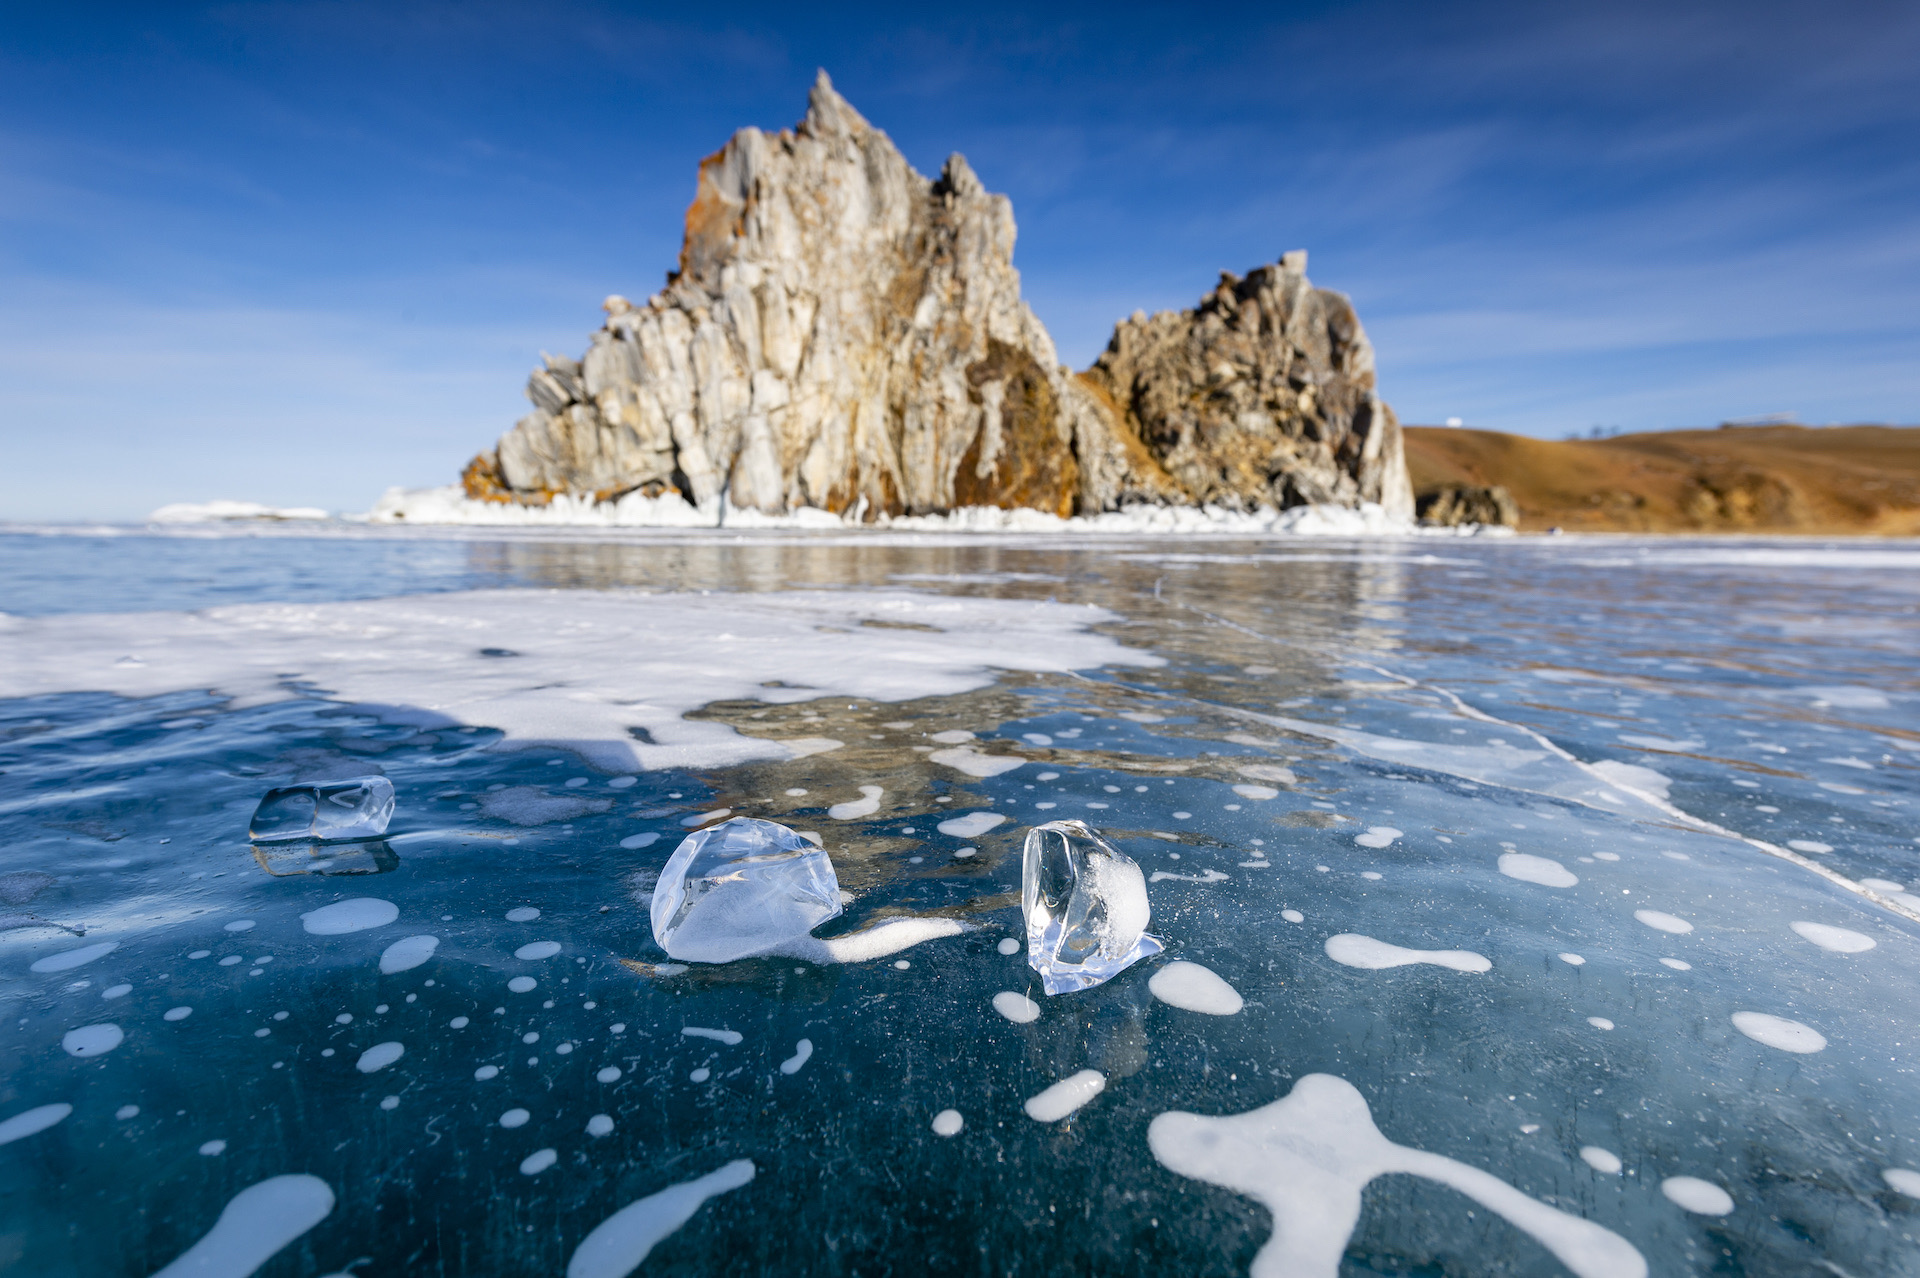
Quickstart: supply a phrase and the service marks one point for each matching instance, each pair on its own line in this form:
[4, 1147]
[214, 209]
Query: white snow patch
[592, 664]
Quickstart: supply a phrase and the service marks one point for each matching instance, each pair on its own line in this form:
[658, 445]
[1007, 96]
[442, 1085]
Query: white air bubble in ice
[1378, 836]
[66, 960]
[522, 984]
[408, 953]
[1545, 871]
[1678, 965]
[1809, 845]
[948, 1122]
[1779, 1032]
[866, 805]
[600, 1125]
[255, 1224]
[1293, 916]
[116, 991]
[176, 1014]
[802, 1053]
[1008, 945]
[620, 1243]
[240, 925]
[1702, 1197]
[1066, 1096]
[1017, 1008]
[92, 1040]
[1196, 989]
[1600, 1022]
[608, 1074]
[1662, 922]
[37, 1119]
[1573, 960]
[538, 950]
[538, 1161]
[526, 913]
[633, 842]
[379, 1056]
[1838, 939]
[515, 1118]
[1606, 1162]
[356, 915]
[1355, 950]
[970, 825]
[730, 1037]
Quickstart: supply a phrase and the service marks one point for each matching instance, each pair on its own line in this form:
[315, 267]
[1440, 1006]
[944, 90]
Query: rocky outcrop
[1489, 505]
[843, 333]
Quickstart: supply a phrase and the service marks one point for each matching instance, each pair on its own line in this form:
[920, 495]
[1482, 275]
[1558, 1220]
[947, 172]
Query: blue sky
[297, 252]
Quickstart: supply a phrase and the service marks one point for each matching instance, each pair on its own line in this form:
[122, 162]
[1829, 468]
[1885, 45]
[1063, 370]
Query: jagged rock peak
[844, 333]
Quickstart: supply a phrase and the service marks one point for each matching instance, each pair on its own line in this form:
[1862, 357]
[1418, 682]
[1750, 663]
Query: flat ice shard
[358, 808]
[740, 888]
[1086, 907]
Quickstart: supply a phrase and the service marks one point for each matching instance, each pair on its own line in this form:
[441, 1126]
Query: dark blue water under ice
[1770, 688]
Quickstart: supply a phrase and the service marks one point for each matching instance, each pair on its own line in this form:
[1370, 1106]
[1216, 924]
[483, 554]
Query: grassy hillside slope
[1769, 479]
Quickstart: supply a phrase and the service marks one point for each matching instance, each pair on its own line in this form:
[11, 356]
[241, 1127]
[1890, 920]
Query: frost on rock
[354, 809]
[1086, 907]
[740, 888]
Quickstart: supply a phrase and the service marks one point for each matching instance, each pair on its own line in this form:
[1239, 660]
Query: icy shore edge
[448, 505]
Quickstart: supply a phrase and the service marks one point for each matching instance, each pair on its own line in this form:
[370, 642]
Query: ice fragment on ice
[739, 888]
[355, 809]
[1066, 1096]
[619, 1244]
[1086, 907]
[29, 1121]
[1308, 1156]
[257, 1222]
[1196, 989]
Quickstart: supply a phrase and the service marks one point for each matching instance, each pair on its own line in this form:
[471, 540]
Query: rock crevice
[843, 333]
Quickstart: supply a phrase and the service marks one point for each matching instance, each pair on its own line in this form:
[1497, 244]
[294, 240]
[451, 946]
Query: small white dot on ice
[345, 1018]
[1008, 945]
[127, 1111]
[618, 1027]
[240, 925]
[229, 960]
[622, 783]
[522, 984]
[262, 1033]
[1572, 959]
[515, 1118]
[1183, 816]
[600, 1125]
[486, 1072]
[537, 950]
[389, 1102]
[522, 914]
[1016, 1007]
[701, 1075]
[948, 1122]
[563, 1049]
[116, 991]
[1678, 965]
[381, 1010]
[1600, 1022]
[1701, 1197]
[1606, 856]
[1324, 869]
[213, 1147]
[538, 1161]
[280, 1016]
[1369, 874]
[796, 792]
[531, 1036]
[609, 1074]
[200, 954]
[1293, 916]
[902, 964]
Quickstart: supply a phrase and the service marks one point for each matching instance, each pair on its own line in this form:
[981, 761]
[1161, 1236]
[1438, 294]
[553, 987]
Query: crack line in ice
[255, 1224]
[619, 1244]
[1611, 774]
[1308, 1156]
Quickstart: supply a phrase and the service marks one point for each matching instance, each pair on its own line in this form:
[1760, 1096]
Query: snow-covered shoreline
[449, 507]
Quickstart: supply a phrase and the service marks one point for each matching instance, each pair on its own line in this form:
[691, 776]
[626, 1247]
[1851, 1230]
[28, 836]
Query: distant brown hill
[1777, 479]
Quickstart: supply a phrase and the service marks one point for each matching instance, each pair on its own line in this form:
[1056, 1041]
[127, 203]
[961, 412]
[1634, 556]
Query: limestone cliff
[843, 333]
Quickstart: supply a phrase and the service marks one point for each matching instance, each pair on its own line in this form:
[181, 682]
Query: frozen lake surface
[1531, 906]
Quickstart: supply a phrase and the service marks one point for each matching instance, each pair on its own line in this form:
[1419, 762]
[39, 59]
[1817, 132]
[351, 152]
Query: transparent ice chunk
[357, 808]
[1086, 907]
[740, 888]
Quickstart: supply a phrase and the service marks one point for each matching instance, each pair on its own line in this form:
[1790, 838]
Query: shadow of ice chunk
[1308, 1156]
[619, 1244]
[255, 1224]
